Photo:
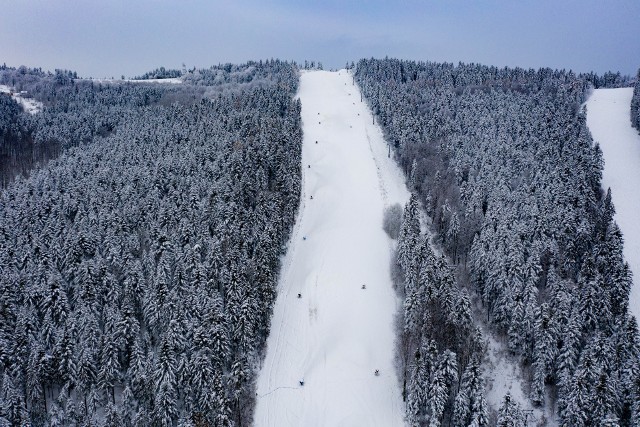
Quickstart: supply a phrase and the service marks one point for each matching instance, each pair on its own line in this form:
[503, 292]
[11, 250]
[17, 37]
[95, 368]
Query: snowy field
[336, 334]
[608, 120]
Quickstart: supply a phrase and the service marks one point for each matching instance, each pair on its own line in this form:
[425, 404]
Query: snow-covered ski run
[328, 334]
[608, 119]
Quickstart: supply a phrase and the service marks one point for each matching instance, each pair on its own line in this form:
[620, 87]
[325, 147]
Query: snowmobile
[299, 295]
[376, 373]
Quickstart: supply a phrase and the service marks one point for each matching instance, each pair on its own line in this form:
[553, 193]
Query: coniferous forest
[502, 162]
[142, 227]
[138, 268]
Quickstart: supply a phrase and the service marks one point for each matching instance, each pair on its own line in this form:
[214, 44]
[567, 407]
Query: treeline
[504, 164]
[10, 132]
[635, 104]
[312, 65]
[253, 73]
[75, 112]
[607, 80]
[138, 271]
[18, 153]
[439, 347]
[160, 73]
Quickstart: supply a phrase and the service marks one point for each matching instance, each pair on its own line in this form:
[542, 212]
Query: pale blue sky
[110, 38]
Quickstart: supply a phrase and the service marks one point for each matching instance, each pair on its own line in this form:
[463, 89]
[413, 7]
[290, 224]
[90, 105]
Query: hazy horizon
[117, 38]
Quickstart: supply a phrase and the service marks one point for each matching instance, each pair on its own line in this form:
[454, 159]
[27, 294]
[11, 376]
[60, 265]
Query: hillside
[503, 162]
[340, 330]
[396, 243]
[609, 124]
[139, 267]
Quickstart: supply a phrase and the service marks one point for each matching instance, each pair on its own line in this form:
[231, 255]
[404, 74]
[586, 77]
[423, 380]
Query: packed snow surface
[608, 118]
[336, 334]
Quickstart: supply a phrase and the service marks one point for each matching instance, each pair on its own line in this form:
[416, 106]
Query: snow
[29, 105]
[32, 106]
[173, 80]
[608, 119]
[336, 334]
[504, 375]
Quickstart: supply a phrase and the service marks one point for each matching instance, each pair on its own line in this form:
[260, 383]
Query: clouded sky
[103, 38]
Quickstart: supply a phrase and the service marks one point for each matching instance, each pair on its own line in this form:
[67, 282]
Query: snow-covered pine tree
[485, 143]
[635, 103]
[510, 413]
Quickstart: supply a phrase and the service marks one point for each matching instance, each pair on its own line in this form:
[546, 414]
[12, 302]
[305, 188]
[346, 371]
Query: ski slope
[337, 334]
[608, 119]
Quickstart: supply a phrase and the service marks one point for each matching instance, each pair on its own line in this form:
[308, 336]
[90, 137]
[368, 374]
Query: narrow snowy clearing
[336, 334]
[608, 119]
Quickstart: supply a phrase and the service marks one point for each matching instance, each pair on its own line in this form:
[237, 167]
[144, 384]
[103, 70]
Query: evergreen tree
[532, 235]
[635, 103]
[470, 407]
[510, 413]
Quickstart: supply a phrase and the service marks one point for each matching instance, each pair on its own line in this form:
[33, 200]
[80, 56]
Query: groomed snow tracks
[336, 334]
